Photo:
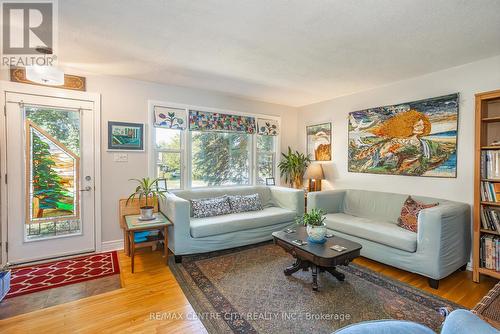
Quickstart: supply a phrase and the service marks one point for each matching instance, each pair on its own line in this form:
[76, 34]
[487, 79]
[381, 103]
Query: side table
[133, 225]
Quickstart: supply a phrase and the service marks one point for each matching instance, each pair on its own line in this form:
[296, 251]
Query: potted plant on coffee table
[146, 189]
[292, 167]
[314, 221]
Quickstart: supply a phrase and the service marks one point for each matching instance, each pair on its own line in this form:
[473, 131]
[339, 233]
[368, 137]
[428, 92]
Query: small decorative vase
[147, 213]
[316, 234]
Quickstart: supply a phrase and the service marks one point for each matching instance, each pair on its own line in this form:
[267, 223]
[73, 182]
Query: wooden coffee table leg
[299, 264]
[336, 274]
[314, 270]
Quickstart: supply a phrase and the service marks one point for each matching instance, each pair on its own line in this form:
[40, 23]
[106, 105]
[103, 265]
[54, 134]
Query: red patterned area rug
[63, 272]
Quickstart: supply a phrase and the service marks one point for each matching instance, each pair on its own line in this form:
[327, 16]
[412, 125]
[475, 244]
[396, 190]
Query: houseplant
[147, 188]
[292, 167]
[315, 226]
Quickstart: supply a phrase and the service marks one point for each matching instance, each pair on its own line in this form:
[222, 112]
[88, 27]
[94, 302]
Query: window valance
[211, 121]
[170, 118]
[268, 127]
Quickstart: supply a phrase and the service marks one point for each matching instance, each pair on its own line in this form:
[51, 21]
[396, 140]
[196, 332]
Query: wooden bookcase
[487, 131]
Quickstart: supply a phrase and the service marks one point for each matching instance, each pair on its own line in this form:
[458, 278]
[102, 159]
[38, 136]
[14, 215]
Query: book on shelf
[489, 252]
[490, 218]
[490, 164]
[490, 191]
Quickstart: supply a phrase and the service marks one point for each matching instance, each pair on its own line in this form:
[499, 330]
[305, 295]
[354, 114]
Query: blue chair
[458, 322]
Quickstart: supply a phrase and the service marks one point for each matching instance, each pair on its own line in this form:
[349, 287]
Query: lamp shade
[315, 172]
[45, 75]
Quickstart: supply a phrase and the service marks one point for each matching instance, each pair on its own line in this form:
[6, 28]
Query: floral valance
[211, 121]
[268, 127]
[170, 118]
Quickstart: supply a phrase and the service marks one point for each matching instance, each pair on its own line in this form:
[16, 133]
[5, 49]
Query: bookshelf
[487, 131]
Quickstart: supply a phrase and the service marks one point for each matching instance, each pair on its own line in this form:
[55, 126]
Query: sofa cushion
[375, 205]
[244, 203]
[409, 214]
[204, 227]
[209, 207]
[381, 232]
[378, 205]
[263, 191]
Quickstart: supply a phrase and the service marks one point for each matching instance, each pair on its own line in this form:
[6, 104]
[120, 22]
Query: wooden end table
[318, 257]
[160, 224]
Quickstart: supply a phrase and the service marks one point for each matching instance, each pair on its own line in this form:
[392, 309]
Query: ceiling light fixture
[45, 75]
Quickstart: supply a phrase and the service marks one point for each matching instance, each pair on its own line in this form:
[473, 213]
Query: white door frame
[5, 87]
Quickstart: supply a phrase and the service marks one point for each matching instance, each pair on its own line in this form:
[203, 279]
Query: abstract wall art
[319, 141]
[416, 138]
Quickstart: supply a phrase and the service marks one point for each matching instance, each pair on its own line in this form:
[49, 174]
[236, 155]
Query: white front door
[50, 176]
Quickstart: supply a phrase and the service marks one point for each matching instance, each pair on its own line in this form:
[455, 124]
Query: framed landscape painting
[319, 141]
[416, 138]
[125, 136]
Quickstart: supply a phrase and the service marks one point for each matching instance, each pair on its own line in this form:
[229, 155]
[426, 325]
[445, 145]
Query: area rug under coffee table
[245, 291]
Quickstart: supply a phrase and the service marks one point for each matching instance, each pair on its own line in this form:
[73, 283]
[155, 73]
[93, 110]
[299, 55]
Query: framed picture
[270, 181]
[161, 185]
[319, 141]
[417, 138]
[125, 136]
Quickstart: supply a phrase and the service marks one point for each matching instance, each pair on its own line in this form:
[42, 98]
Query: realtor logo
[28, 33]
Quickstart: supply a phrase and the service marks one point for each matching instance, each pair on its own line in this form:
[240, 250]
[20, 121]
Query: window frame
[179, 151]
[273, 153]
[250, 150]
[186, 146]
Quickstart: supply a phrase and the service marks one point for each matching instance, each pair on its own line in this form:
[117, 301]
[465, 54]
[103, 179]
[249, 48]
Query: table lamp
[315, 174]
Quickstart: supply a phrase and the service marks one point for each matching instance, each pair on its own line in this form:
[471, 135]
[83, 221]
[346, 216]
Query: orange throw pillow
[409, 214]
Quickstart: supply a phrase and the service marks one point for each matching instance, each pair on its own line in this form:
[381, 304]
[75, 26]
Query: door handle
[87, 188]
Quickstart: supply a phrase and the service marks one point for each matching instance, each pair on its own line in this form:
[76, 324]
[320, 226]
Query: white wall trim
[469, 266]
[107, 246]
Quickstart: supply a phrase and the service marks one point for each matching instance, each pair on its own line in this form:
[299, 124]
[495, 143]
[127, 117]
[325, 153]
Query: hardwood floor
[458, 287]
[154, 289]
[151, 289]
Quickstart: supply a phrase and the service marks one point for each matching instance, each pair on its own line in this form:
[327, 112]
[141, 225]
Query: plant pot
[298, 182]
[147, 212]
[316, 234]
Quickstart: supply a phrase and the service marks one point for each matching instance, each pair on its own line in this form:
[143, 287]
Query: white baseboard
[469, 266]
[112, 245]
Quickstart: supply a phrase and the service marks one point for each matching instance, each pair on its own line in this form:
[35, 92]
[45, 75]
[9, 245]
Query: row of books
[490, 192]
[490, 219]
[490, 164]
[490, 252]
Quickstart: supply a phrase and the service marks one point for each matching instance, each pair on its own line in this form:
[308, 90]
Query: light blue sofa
[191, 235]
[458, 322]
[441, 246]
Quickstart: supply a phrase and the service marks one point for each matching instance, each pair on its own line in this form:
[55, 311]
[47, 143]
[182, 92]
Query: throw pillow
[241, 203]
[209, 207]
[409, 213]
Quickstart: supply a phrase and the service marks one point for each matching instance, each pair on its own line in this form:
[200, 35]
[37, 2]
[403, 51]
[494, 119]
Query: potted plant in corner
[292, 167]
[315, 226]
[147, 188]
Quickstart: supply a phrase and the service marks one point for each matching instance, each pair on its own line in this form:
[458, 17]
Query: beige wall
[466, 79]
[127, 100]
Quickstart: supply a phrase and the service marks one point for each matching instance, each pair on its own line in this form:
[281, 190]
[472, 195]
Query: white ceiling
[292, 52]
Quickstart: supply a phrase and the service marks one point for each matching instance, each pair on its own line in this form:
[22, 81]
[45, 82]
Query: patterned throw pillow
[209, 207]
[409, 214]
[245, 203]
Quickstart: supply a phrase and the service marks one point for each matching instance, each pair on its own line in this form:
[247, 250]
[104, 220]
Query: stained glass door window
[52, 172]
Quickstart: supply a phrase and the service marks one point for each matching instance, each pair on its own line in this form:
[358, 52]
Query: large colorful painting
[125, 136]
[319, 141]
[416, 138]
